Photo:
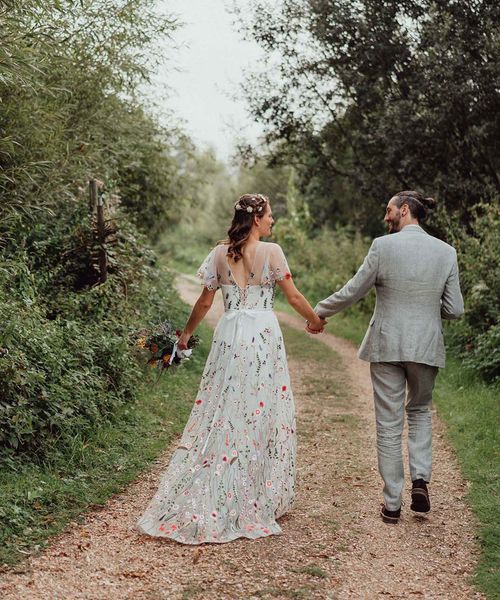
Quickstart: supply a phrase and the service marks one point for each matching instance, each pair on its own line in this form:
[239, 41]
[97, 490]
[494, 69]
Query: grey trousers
[400, 387]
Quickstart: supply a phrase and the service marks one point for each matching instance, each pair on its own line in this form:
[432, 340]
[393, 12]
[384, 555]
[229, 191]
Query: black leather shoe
[420, 497]
[390, 516]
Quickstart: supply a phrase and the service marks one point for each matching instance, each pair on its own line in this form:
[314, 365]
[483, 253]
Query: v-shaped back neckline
[249, 276]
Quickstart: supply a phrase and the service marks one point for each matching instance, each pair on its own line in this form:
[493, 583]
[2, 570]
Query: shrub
[69, 80]
[476, 337]
[66, 367]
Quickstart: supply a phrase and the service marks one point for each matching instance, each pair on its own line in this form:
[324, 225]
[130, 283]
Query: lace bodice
[252, 297]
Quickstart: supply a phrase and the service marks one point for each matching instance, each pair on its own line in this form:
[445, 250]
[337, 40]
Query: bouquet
[161, 341]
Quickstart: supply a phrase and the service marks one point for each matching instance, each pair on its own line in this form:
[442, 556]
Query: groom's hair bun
[419, 205]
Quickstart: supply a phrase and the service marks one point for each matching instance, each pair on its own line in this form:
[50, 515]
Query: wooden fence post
[92, 194]
[96, 200]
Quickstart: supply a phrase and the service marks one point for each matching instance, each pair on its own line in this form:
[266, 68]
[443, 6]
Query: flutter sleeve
[208, 272]
[278, 266]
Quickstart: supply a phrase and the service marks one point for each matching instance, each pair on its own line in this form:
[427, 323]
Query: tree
[70, 106]
[367, 98]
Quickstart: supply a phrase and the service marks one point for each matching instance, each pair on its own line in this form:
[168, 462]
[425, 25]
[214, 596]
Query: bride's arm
[200, 309]
[297, 301]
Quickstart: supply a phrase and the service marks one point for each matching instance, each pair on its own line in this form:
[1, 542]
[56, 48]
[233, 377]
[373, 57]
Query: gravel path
[334, 545]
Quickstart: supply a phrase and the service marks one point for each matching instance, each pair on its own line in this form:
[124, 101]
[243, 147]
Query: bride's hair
[418, 205]
[247, 207]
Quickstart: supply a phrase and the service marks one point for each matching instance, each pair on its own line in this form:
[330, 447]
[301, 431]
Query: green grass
[37, 501]
[182, 257]
[471, 411]
[312, 570]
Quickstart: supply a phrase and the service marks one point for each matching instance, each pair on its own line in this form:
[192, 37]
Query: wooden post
[101, 233]
[93, 194]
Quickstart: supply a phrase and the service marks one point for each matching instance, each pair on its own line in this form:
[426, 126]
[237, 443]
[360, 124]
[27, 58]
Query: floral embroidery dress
[233, 473]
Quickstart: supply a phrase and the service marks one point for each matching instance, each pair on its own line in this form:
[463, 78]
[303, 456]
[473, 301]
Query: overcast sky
[210, 60]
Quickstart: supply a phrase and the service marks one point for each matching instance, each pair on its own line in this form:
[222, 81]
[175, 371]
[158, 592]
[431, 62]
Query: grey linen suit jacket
[416, 281]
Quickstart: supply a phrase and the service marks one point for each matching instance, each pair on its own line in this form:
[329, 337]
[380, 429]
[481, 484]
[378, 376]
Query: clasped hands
[318, 326]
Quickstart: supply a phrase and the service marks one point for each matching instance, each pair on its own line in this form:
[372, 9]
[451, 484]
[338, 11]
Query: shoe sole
[387, 519]
[420, 501]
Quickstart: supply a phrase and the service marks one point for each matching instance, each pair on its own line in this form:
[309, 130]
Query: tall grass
[471, 410]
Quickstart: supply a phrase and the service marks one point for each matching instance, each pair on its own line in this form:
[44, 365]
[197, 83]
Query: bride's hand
[182, 343]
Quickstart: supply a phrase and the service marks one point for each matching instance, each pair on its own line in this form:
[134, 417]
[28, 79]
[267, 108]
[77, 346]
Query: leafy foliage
[324, 262]
[476, 338]
[69, 80]
[371, 97]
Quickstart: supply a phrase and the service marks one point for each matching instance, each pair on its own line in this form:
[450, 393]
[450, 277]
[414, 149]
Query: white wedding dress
[232, 474]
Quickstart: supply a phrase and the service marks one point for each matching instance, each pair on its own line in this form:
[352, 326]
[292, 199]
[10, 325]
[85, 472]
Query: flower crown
[251, 209]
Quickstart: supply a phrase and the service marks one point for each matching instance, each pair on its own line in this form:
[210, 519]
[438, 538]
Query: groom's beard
[393, 226]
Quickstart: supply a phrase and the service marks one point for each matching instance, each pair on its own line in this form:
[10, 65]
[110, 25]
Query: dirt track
[334, 544]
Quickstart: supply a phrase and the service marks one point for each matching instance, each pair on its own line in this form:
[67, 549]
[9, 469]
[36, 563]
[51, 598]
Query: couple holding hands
[232, 474]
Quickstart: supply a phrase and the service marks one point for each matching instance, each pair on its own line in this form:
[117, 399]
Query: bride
[232, 474]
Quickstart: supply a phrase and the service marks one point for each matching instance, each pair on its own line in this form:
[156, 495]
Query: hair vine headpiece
[251, 209]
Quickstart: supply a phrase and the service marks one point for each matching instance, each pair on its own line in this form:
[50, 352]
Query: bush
[476, 337]
[69, 80]
[67, 368]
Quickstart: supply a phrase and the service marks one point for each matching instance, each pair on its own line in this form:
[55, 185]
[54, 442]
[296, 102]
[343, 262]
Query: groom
[416, 282]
